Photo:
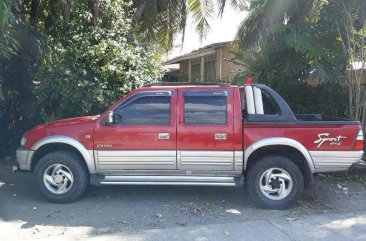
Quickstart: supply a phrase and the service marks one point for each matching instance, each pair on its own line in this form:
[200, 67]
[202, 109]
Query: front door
[205, 130]
[143, 136]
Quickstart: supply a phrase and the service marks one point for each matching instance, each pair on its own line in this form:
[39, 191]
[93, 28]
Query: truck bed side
[328, 141]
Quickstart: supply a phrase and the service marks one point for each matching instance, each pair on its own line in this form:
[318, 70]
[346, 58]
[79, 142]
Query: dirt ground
[111, 209]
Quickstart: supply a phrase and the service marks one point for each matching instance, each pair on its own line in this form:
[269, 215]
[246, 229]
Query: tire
[278, 168]
[65, 168]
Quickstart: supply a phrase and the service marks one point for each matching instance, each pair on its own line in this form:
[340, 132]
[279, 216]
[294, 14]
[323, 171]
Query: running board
[98, 180]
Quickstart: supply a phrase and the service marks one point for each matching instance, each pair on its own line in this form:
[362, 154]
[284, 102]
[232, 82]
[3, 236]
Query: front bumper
[357, 168]
[24, 157]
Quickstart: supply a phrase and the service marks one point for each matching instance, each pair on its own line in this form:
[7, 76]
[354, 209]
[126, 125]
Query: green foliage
[20, 51]
[293, 42]
[162, 20]
[66, 64]
[327, 98]
[286, 44]
[7, 43]
[5, 12]
[201, 11]
[18, 109]
[89, 68]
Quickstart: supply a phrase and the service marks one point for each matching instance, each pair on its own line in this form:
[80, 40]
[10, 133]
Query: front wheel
[275, 182]
[61, 177]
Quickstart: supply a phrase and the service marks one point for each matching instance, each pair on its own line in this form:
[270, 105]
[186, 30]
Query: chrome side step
[165, 180]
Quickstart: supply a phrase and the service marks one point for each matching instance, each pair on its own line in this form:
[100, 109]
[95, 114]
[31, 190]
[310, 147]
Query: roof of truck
[195, 84]
[184, 84]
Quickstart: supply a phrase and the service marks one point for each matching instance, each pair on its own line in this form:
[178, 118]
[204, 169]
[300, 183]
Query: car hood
[71, 121]
[76, 128]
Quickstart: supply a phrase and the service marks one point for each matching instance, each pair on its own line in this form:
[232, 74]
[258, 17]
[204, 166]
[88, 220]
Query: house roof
[206, 50]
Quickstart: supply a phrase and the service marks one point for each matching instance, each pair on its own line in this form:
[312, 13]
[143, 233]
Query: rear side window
[265, 104]
[147, 110]
[205, 110]
[270, 106]
[243, 102]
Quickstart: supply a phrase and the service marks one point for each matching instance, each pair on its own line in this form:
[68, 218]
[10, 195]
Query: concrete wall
[229, 69]
[183, 67]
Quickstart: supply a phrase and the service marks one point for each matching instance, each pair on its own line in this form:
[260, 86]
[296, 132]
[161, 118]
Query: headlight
[23, 141]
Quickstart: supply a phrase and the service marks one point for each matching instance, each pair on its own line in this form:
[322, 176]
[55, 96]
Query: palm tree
[7, 43]
[265, 16]
[17, 40]
[161, 20]
[285, 39]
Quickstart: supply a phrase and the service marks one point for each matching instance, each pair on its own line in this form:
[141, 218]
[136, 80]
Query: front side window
[205, 110]
[146, 110]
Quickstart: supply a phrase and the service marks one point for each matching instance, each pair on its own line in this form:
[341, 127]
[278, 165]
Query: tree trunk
[54, 14]
[354, 45]
[34, 11]
[94, 9]
[66, 5]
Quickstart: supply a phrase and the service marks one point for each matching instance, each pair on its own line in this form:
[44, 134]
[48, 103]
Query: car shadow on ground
[120, 208]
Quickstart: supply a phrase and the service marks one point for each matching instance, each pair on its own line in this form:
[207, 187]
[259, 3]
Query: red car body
[241, 134]
[253, 121]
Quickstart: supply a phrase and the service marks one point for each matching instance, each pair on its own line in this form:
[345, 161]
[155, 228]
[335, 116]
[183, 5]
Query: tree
[266, 15]
[161, 20]
[7, 43]
[92, 65]
[61, 58]
[351, 26]
[287, 44]
[289, 41]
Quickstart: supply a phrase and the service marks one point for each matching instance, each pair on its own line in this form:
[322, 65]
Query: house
[211, 63]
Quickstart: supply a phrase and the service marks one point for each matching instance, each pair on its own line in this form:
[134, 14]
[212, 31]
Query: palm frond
[160, 20]
[6, 13]
[8, 44]
[183, 20]
[202, 11]
[265, 14]
[252, 29]
[243, 5]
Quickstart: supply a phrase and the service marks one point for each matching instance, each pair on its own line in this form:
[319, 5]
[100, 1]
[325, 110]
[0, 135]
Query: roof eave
[188, 56]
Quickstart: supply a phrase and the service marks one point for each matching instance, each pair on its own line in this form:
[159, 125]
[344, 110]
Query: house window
[196, 69]
[210, 68]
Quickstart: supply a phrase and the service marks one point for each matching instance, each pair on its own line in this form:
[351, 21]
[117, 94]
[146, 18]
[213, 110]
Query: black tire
[263, 164]
[79, 172]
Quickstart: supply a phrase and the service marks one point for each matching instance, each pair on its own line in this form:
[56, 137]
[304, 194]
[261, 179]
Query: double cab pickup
[193, 134]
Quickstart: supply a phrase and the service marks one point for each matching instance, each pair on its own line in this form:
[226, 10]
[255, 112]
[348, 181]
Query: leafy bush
[90, 67]
[326, 98]
[72, 67]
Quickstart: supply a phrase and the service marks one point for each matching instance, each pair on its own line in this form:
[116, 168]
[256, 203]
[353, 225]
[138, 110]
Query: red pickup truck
[193, 134]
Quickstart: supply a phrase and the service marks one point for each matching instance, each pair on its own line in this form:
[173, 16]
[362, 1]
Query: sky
[222, 29]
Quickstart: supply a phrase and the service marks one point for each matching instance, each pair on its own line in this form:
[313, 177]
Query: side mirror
[110, 117]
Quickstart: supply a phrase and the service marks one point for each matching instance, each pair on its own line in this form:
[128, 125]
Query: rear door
[205, 131]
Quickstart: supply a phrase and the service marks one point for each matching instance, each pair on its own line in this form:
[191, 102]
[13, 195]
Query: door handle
[220, 136]
[163, 136]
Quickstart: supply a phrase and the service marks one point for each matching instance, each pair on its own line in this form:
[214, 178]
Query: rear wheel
[275, 182]
[61, 176]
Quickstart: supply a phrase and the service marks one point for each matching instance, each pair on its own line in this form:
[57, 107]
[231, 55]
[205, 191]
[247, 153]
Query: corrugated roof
[206, 50]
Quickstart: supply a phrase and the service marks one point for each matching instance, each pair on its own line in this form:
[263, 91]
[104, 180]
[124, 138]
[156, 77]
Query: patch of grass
[296, 213]
[341, 178]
